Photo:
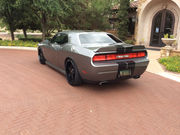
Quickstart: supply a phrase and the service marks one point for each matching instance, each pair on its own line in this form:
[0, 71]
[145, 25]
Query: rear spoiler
[121, 48]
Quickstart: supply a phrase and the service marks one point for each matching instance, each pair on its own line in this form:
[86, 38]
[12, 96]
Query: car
[87, 56]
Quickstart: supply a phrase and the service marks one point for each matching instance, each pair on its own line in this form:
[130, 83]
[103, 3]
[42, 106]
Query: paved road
[36, 100]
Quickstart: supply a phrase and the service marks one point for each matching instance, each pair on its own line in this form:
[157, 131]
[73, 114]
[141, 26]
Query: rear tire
[72, 73]
[42, 60]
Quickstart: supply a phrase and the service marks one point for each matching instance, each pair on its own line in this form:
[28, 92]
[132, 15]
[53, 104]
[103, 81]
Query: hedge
[18, 43]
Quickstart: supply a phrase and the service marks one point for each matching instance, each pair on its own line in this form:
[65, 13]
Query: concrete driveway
[36, 100]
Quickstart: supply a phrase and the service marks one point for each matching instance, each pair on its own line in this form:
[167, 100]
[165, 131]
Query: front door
[163, 23]
[50, 52]
[57, 43]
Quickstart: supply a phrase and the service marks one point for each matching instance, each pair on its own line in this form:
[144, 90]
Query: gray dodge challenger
[92, 56]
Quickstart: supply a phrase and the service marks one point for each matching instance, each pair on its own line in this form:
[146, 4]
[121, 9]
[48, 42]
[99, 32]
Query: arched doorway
[163, 23]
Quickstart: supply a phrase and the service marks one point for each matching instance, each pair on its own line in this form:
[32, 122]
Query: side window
[53, 39]
[61, 39]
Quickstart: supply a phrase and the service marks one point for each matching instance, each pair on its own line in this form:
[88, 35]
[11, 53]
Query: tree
[123, 19]
[98, 11]
[50, 15]
[26, 23]
[8, 14]
[26, 19]
[88, 15]
[47, 12]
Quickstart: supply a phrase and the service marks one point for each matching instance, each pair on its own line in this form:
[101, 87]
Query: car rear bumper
[110, 71]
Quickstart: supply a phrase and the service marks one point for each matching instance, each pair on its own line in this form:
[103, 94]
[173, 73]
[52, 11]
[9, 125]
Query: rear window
[90, 38]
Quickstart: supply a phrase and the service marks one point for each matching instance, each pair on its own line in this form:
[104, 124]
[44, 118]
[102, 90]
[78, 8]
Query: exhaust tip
[137, 77]
[102, 83]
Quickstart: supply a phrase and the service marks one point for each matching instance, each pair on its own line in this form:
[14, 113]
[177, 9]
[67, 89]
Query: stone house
[151, 19]
[156, 18]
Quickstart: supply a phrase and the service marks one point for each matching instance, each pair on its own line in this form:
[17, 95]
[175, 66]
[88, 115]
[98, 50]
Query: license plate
[125, 73]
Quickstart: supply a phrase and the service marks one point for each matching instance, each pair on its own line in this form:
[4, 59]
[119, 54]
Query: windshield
[98, 38]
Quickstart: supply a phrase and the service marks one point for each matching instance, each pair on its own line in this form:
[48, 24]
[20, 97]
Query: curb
[167, 75]
[19, 48]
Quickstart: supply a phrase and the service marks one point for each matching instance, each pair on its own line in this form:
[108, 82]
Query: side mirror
[46, 41]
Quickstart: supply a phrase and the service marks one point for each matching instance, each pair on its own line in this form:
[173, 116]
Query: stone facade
[175, 53]
[146, 11]
[165, 53]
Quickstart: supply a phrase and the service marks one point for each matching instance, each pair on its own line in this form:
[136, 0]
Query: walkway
[156, 68]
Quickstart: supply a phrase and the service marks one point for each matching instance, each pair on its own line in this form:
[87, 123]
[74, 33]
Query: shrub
[171, 63]
[28, 36]
[169, 36]
[172, 36]
[31, 39]
[166, 35]
[20, 36]
[129, 42]
[18, 43]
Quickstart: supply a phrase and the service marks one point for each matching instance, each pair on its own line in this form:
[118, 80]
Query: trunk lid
[117, 48]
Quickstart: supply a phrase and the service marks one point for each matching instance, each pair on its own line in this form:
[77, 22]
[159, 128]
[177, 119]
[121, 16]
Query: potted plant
[168, 40]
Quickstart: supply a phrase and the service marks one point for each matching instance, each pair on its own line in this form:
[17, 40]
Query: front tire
[72, 73]
[42, 60]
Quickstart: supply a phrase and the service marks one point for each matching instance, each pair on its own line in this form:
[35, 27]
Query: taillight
[111, 57]
[107, 57]
[99, 58]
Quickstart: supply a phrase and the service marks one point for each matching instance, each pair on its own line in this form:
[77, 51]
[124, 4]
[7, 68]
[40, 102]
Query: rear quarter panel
[81, 56]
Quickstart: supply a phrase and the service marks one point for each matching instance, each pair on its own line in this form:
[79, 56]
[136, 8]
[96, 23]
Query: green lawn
[171, 63]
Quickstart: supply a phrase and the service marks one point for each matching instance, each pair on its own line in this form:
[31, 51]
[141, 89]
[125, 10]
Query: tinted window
[60, 39]
[91, 38]
[114, 38]
[53, 39]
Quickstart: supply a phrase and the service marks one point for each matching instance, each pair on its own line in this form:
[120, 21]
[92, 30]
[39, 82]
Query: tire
[42, 60]
[72, 73]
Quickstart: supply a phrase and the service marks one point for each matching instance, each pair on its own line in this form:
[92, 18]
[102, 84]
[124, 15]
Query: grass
[31, 39]
[28, 36]
[18, 43]
[34, 38]
[171, 63]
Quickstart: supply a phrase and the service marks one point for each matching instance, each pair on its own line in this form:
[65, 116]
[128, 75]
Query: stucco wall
[146, 11]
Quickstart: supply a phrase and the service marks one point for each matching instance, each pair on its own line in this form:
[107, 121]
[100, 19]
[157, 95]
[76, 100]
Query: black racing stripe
[124, 49]
[120, 49]
[132, 67]
[128, 49]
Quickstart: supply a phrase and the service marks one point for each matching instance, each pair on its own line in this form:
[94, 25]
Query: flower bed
[171, 63]
[18, 43]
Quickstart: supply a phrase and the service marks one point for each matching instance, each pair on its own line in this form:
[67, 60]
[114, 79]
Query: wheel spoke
[71, 72]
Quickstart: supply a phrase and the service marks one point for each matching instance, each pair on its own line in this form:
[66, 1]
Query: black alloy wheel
[42, 60]
[72, 73]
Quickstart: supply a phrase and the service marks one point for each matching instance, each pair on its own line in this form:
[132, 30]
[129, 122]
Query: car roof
[81, 32]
